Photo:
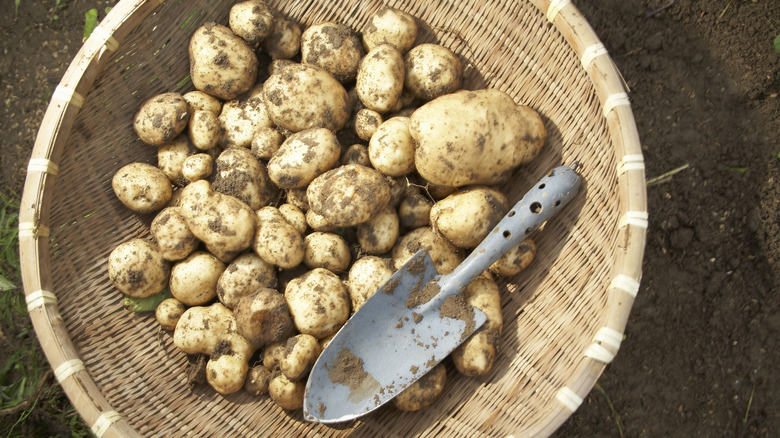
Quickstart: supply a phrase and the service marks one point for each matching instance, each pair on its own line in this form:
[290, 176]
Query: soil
[700, 357]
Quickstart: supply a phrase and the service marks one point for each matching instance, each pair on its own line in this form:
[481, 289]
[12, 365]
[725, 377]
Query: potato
[194, 279]
[390, 26]
[277, 65]
[277, 241]
[171, 156]
[168, 313]
[318, 302]
[474, 137]
[366, 123]
[398, 186]
[142, 187]
[355, 154]
[266, 142]
[334, 47]
[221, 64]
[476, 356]
[138, 269]
[515, 260]
[304, 156]
[204, 129]
[431, 71]
[257, 380]
[445, 256]
[365, 277]
[284, 42]
[318, 222]
[161, 118]
[294, 216]
[380, 78]
[348, 195]
[379, 234]
[252, 20]
[197, 167]
[286, 393]
[300, 353]
[174, 239]
[304, 96]
[242, 118]
[326, 250]
[225, 224]
[241, 175]
[424, 391]
[391, 148]
[466, 217]
[263, 318]
[199, 100]
[244, 276]
[415, 209]
[297, 197]
[272, 354]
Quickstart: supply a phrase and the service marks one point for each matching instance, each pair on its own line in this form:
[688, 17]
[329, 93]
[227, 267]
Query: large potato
[161, 118]
[221, 63]
[241, 175]
[137, 269]
[474, 137]
[465, 218]
[380, 79]
[142, 187]
[334, 47]
[304, 156]
[303, 96]
[348, 195]
[262, 317]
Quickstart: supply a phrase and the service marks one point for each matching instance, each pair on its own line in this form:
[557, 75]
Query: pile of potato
[305, 168]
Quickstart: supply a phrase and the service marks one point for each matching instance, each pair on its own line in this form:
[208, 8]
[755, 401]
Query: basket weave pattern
[564, 316]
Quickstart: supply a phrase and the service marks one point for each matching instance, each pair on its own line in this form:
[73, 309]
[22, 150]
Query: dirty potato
[241, 175]
[142, 187]
[515, 260]
[244, 276]
[171, 156]
[445, 256]
[366, 123]
[476, 356]
[161, 118]
[174, 239]
[424, 391]
[380, 78]
[334, 47]
[168, 313]
[277, 241]
[252, 20]
[138, 269]
[221, 63]
[390, 26]
[197, 167]
[365, 277]
[348, 195]
[263, 318]
[326, 250]
[242, 118]
[284, 41]
[266, 142]
[466, 217]
[194, 279]
[300, 353]
[318, 302]
[304, 156]
[379, 234]
[391, 148]
[431, 70]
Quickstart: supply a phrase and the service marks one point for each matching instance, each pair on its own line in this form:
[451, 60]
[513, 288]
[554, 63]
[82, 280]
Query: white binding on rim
[626, 284]
[103, 422]
[605, 336]
[631, 162]
[109, 41]
[39, 298]
[29, 229]
[599, 353]
[68, 95]
[635, 218]
[615, 100]
[67, 369]
[591, 53]
[569, 398]
[555, 7]
[43, 165]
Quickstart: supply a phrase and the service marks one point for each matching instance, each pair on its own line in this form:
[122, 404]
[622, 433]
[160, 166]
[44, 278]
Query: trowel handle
[542, 202]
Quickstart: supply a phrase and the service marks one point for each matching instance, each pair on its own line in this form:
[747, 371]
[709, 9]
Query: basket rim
[82, 72]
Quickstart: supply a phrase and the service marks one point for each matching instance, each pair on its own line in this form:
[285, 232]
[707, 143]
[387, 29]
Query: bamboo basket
[564, 316]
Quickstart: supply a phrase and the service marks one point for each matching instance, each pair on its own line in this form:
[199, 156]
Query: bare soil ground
[701, 353]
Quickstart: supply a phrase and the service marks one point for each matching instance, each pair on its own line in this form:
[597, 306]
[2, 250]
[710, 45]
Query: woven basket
[564, 317]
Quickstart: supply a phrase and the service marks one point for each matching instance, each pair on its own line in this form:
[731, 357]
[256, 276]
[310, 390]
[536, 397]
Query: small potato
[379, 234]
[294, 216]
[252, 20]
[241, 175]
[355, 154]
[142, 187]
[476, 356]
[333, 46]
[204, 129]
[263, 318]
[304, 96]
[225, 224]
[390, 26]
[272, 354]
[300, 353]
[365, 277]
[277, 241]
[297, 197]
[174, 239]
[318, 302]
[284, 41]
[194, 279]
[515, 260]
[466, 217]
[138, 269]
[380, 78]
[415, 209]
[161, 118]
[168, 313]
[257, 380]
[286, 393]
[398, 187]
[424, 391]
[197, 167]
[242, 118]
[266, 142]
[391, 149]
[366, 123]
[304, 156]
[221, 64]
[326, 250]
[199, 100]
[171, 156]
[446, 257]
[365, 189]
[431, 71]
[318, 222]
[244, 276]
